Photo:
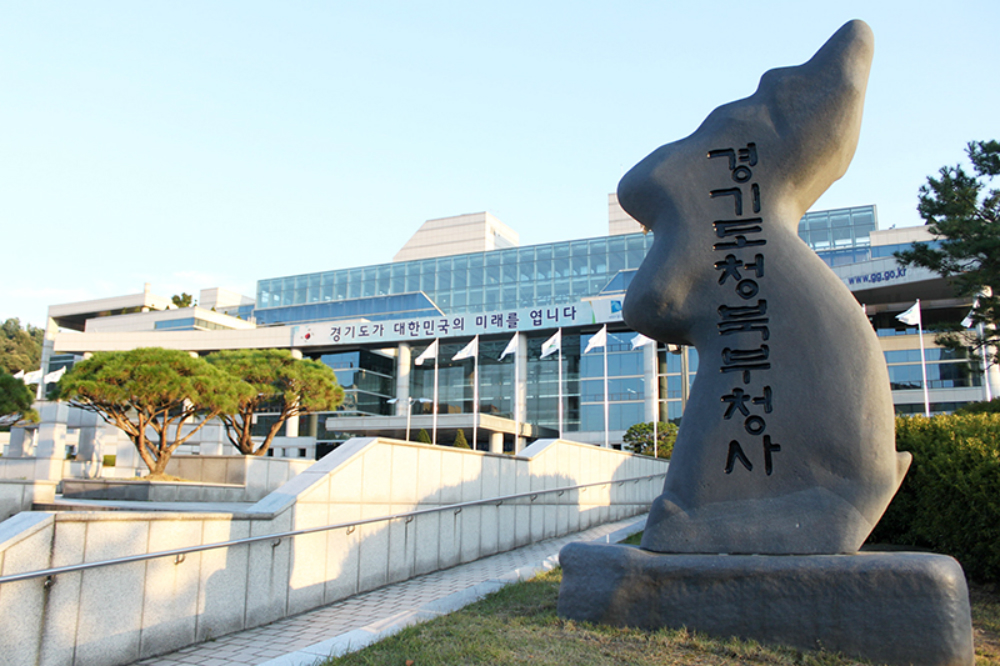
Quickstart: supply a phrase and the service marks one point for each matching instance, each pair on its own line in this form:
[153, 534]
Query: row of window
[521, 277]
[368, 379]
[190, 323]
[579, 267]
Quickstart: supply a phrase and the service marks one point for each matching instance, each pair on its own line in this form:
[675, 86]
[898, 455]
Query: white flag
[32, 377]
[552, 345]
[640, 340]
[53, 377]
[599, 339]
[432, 350]
[19, 375]
[911, 316]
[967, 322]
[470, 350]
[511, 347]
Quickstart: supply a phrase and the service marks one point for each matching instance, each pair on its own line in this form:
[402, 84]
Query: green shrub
[639, 439]
[949, 501]
[423, 437]
[983, 407]
[460, 441]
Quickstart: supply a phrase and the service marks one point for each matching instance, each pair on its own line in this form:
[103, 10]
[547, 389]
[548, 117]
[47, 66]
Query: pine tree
[963, 213]
[152, 394]
[282, 384]
[460, 441]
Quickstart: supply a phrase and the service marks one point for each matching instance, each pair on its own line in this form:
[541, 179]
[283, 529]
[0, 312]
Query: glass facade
[838, 229]
[512, 278]
[189, 324]
[946, 368]
[537, 276]
[626, 384]
[368, 380]
[841, 236]
[673, 365]
[377, 308]
[881, 251]
[456, 393]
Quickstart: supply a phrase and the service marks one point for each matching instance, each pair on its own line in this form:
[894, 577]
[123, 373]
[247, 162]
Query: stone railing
[125, 612]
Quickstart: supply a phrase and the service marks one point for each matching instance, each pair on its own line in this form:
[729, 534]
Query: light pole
[409, 410]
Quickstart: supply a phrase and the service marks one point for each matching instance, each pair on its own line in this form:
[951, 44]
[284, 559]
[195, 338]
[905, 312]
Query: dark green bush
[950, 499]
[983, 407]
[460, 441]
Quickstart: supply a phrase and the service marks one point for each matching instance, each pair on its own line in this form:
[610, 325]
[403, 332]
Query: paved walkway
[353, 623]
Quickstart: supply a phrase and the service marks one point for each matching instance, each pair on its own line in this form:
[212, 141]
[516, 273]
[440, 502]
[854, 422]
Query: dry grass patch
[986, 623]
[519, 625]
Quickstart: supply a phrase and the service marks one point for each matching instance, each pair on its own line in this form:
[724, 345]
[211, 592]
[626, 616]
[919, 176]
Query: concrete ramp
[125, 612]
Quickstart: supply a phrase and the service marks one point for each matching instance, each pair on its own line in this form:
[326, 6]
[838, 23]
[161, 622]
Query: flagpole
[560, 386]
[986, 364]
[475, 394]
[607, 443]
[656, 400]
[434, 428]
[511, 348]
[517, 397]
[923, 361]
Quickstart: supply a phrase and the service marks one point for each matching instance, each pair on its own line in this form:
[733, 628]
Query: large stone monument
[787, 442]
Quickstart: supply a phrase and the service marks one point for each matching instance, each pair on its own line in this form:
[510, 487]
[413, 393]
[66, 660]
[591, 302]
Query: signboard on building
[363, 331]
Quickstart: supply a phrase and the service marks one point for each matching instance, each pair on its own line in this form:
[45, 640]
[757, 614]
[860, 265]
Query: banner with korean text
[360, 331]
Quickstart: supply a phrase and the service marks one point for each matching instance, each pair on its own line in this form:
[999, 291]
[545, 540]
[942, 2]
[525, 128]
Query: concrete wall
[63, 425]
[122, 613]
[259, 475]
[17, 496]
[215, 479]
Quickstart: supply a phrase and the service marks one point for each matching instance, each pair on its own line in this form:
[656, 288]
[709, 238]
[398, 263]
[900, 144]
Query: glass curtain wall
[522, 277]
[675, 371]
[512, 278]
[542, 387]
[368, 380]
[946, 368]
[455, 379]
[626, 384]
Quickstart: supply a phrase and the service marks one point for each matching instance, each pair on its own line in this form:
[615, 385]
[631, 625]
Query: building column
[685, 378]
[403, 366]
[650, 366]
[22, 442]
[292, 424]
[126, 454]
[48, 347]
[521, 390]
[50, 451]
[496, 442]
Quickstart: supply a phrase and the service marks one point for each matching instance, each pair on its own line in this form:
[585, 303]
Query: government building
[467, 279]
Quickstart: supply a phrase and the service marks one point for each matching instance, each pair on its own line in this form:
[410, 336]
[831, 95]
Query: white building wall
[461, 234]
[620, 222]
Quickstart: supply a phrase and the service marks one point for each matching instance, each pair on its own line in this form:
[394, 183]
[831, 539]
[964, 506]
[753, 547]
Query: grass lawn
[519, 625]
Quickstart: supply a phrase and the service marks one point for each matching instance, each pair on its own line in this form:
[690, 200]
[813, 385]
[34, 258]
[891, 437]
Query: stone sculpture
[787, 445]
[787, 442]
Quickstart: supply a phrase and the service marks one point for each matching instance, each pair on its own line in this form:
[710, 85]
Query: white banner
[361, 331]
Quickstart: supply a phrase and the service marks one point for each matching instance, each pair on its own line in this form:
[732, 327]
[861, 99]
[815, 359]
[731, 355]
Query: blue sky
[201, 144]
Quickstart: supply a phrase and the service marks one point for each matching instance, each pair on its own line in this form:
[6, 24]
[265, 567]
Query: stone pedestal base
[892, 608]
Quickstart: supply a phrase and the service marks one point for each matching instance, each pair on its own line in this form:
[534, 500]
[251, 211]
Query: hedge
[949, 501]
